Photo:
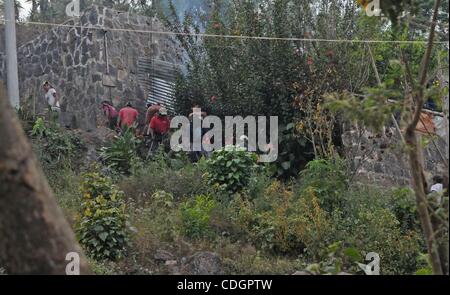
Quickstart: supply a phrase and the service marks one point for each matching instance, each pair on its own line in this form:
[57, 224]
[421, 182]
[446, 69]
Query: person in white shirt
[437, 188]
[438, 185]
[51, 97]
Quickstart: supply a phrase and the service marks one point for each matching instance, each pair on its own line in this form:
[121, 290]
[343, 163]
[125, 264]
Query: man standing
[438, 186]
[52, 99]
[128, 117]
[437, 189]
[152, 110]
[159, 125]
[197, 132]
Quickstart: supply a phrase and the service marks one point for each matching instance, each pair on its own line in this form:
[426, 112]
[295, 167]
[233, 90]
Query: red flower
[310, 61]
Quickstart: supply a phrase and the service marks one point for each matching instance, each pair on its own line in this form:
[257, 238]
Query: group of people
[157, 121]
[156, 124]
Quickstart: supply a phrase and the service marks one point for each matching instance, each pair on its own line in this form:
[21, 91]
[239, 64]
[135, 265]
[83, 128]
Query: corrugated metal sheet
[158, 78]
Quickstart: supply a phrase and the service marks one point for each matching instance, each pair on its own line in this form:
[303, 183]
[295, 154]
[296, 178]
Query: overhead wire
[242, 37]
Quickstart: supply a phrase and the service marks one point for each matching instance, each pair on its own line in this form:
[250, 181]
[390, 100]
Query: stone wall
[2, 66]
[2, 38]
[380, 158]
[85, 69]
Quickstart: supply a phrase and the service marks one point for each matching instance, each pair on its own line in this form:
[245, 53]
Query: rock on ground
[203, 263]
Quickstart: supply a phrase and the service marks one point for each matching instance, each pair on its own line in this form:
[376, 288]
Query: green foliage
[292, 156]
[230, 169]
[181, 182]
[404, 208]
[54, 144]
[163, 199]
[223, 71]
[122, 154]
[278, 222]
[26, 115]
[427, 269]
[195, 216]
[39, 128]
[327, 178]
[337, 258]
[305, 217]
[155, 224]
[102, 228]
[377, 230]
[233, 76]
[373, 110]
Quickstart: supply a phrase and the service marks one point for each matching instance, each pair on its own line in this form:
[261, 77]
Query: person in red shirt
[152, 110]
[128, 116]
[159, 124]
[111, 114]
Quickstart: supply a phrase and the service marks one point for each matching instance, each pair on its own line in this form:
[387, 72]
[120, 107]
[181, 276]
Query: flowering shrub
[101, 228]
[55, 145]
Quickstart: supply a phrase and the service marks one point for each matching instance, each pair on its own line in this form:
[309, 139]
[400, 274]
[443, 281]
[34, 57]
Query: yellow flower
[88, 212]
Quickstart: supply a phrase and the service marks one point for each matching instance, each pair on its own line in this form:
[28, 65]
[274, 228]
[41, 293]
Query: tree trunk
[414, 151]
[34, 235]
[34, 10]
[420, 188]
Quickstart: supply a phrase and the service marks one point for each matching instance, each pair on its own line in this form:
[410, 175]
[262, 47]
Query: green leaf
[424, 272]
[103, 236]
[353, 254]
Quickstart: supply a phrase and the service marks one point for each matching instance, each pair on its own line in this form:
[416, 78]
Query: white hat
[163, 111]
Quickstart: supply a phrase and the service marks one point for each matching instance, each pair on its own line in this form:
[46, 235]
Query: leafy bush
[163, 199]
[328, 179]
[230, 169]
[278, 222]
[295, 152]
[337, 259]
[259, 182]
[378, 230]
[290, 220]
[195, 216]
[404, 207]
[53, 144]
[102, 226]
[122, 154]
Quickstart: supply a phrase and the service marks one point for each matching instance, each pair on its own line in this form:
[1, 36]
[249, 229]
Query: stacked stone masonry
[92, 61]
[381, 158]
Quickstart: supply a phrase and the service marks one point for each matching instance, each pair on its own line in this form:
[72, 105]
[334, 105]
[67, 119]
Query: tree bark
[414, 149]
[34, 234]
